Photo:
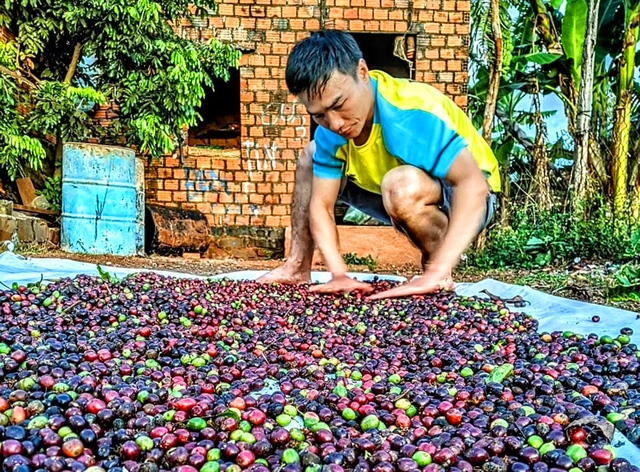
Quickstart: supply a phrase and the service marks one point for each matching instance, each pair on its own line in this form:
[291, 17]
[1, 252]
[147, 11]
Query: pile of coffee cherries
[153, 373]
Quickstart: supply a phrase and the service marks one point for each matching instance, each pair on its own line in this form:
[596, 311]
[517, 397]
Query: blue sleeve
[421, 139]
[325, 163]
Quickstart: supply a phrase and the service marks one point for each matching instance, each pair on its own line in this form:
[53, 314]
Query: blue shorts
[371, 204]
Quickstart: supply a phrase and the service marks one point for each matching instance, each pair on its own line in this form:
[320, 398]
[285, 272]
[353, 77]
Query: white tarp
[553, 313]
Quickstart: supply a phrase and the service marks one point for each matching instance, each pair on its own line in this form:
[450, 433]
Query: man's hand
[428, 283]
[342, 284]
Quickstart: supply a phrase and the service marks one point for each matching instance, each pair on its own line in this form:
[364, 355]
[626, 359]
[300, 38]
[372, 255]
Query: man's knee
[404, 187]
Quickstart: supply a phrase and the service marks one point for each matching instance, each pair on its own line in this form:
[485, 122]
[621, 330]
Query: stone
[54, 236]
[41, 203]
[8, 227]
[6, 207]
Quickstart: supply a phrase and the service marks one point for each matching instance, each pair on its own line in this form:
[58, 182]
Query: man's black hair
[314, 59]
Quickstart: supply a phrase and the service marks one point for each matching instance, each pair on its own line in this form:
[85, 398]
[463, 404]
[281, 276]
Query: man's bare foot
[286, 275]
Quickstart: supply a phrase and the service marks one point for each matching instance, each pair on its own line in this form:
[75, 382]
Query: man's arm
[324, 195]
[325, 235]
[468, 203]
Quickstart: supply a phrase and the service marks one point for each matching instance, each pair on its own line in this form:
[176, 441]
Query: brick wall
[252, 186]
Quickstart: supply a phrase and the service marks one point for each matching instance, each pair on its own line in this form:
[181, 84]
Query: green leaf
[500, 373]
[574, 27]
[540, 58]
[504, 151]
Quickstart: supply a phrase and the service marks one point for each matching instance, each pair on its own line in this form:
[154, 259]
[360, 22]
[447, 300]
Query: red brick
[225, 9]
[312, 24]
[280, 188]
[179, 196]
[155, 184]
[445, 77]
[203, 163]
[280, 210]
[356, 25]
[272, 221]
[256, 199]
[438, 65]
[247, 97]
[272, 12]
[165, 173]
[233, 164]
[288, 176]
[380, 14]
[263, 97]
[351, 13]
[432, 28]
[454, 41]
[454, 66]
[225, 198]
[264, 188]
[171, 162]
[286, 199]
[263, 23]
[171, 184]
[438, 41]
[447, 28]
[272, 177]
[241, 176]
[262, 72]
[289, 12]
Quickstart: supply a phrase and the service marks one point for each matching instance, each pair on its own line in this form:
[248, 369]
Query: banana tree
[579, 175]
[622, 111]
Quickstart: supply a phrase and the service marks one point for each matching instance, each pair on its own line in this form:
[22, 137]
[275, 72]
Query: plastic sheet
[553, 313]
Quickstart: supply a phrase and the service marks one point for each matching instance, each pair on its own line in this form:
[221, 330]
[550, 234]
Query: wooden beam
[37, 211]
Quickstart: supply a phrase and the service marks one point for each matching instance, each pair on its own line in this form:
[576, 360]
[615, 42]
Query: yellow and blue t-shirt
[413, 123]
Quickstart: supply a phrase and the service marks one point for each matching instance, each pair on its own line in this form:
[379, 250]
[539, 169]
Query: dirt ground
[198, 266]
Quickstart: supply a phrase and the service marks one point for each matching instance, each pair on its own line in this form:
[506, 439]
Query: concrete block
[40, 230]
[26, 233]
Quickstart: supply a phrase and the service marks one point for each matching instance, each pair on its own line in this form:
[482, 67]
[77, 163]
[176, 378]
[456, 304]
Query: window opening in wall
[220, 111]
[391, 53]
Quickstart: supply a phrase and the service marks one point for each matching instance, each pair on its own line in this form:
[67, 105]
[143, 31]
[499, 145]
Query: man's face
[344, 105]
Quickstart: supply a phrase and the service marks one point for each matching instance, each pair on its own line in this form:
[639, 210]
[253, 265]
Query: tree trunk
[634, 179]
[622, 115]
[549, 35]
[580, 175]
[494, 74]
[541, 186]
[75, 58]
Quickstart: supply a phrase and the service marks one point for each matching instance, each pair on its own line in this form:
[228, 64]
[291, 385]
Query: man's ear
[363, 70]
